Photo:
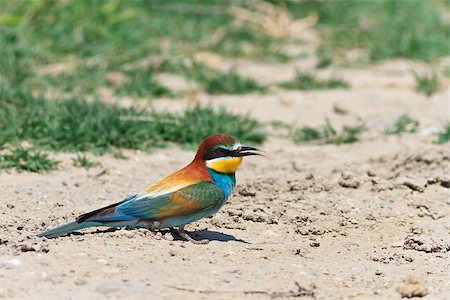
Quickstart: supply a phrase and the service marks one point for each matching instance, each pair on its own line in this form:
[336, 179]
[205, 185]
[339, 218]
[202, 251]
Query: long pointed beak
[247, 151]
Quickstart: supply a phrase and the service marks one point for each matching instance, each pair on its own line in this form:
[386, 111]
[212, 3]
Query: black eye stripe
[217, 152]
[222, 150]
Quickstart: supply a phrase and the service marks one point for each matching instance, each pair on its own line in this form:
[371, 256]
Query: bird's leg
[173, 231]
[152, 228]
[186, 237]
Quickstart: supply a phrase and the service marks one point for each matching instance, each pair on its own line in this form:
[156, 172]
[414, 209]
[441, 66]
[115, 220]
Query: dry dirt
[368, 220]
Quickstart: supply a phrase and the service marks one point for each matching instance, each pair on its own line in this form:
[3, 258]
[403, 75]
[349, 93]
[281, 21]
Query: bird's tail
[67, 228]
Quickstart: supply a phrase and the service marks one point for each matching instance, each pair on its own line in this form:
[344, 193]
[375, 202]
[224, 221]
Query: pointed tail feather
[105, 216]
[67, 228]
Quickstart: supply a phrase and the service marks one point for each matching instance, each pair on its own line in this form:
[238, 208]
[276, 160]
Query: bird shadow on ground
[212, 236]
[198, 235]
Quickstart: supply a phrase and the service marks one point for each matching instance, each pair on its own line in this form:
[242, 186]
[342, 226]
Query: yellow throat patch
[224, 165]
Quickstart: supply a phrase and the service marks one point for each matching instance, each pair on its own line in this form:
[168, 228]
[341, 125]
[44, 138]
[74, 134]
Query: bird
[194, 192]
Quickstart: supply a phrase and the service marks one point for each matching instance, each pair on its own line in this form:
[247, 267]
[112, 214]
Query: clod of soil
[348, 180]
[427, 243]
[247, 191]
[416, 184]
[412, 286]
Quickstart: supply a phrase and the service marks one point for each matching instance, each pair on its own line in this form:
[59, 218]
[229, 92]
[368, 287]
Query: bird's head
[223, 153]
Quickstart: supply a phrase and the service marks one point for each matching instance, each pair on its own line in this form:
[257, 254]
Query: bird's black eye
[220, 151]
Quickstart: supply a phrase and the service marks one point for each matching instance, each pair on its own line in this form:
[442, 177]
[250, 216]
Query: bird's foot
[187, 237]
[151, 229]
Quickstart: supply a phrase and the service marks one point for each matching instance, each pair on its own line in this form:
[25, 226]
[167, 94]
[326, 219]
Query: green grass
[280, 125]
[140, 83]
[25, 159]
[444, 135]
[86, 80]
[71, 124]
[37, 33]
[231, 83]
[124, 30]
[387, 29]
[328, 134]
[100, 38]
[427, 84]
[306, 134]
[197, 123]
[82, 81]
[81, 160]
[446, 72]
[325, 57]
[119, 155]
[214, 81]
[75, 125]
[243, 43]
[404, 124]
[308, 81]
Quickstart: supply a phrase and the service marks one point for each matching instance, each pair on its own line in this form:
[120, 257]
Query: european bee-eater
[198, 190]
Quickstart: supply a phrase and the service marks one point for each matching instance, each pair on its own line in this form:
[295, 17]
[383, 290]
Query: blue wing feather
[145, 208]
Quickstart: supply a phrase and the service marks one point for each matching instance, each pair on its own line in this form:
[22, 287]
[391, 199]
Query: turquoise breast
[225, 182]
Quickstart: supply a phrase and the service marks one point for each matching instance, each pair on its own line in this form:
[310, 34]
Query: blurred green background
[56, 55]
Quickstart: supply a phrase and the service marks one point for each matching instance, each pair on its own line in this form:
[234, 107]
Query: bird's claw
[182, 233]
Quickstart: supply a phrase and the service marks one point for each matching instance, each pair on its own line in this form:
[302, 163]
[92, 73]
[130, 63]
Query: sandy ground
[369, 220]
